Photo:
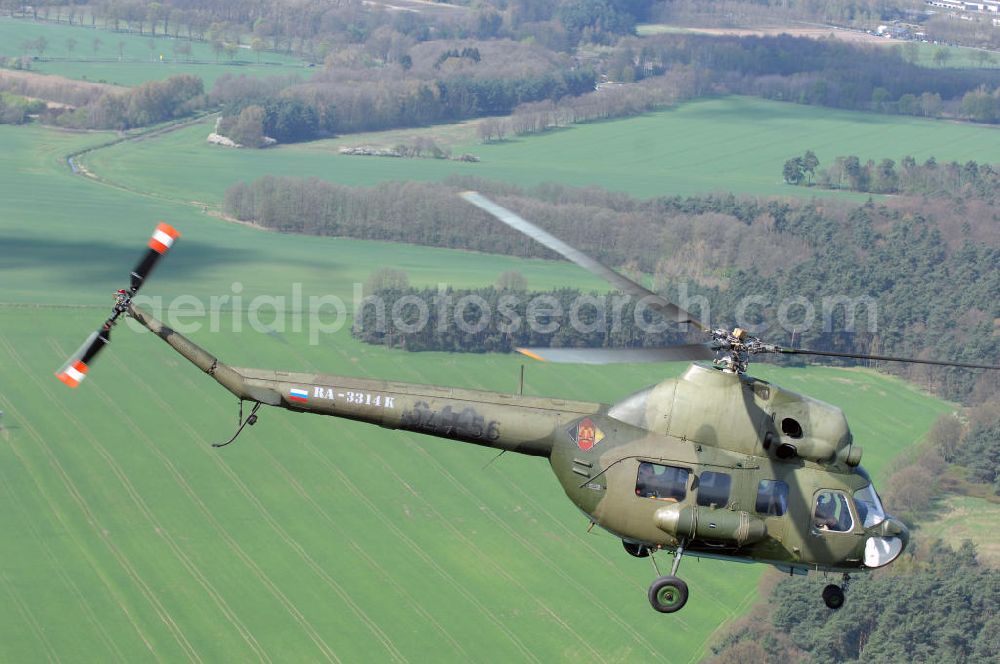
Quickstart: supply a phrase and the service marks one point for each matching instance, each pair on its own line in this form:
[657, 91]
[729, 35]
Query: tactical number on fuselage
[466, 423]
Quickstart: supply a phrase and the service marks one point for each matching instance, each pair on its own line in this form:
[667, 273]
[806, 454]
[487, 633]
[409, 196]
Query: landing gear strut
[833, 595]
[668, 593]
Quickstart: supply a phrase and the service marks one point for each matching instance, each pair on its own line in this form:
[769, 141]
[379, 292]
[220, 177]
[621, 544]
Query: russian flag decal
[296, 394]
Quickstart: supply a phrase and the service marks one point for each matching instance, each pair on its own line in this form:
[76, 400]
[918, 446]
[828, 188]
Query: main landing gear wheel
[833, 596]
[637, 550]
[668, 594]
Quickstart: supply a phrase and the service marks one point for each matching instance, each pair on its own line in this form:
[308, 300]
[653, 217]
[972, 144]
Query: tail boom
[527, 425]
[198, 356]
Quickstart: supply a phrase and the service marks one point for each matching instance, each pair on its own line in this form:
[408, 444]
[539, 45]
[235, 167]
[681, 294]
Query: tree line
[910, 270]
[62, 91]
[616, 101]
[615, 227]
[824, 72]
[15, 109]
[440, 81]
[347, 100]
[887, 177]
[525, 119]
[972, 442]
[82, 105]
[150, 103]
[497, 319]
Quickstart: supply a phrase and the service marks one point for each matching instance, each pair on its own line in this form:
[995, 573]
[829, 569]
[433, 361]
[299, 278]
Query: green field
[128, 538]
[961, 518]
[136, 62]
[734, 144]
[959, 57]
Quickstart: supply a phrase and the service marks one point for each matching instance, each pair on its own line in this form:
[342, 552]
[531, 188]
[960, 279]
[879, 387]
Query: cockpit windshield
[869, 506]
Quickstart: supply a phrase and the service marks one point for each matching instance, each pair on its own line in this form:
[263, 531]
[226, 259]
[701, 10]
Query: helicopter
[715, 463]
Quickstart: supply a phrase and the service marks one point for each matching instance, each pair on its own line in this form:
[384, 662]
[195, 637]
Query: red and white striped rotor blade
[75, 370]
[162, 239]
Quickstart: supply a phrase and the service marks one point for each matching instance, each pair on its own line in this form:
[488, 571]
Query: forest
[499, 319]
[433, 82]
[92, 106]
[938, 605]
[825, 72]
[15, 109]
[974, 445]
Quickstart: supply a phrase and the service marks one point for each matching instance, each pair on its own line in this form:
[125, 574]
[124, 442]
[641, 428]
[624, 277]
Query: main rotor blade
[684, 352]
[160, 242]
[667, 309]
[883, 358]
[75, 370]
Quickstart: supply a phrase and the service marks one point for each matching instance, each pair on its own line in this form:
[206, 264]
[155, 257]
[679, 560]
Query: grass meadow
[960, 518]
[129, 59]
[127, 537]
[736, 144]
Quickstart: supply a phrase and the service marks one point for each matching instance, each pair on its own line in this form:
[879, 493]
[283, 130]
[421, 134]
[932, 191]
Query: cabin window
[661, 482]
[713, 489]
[772, 497]
[832, 512]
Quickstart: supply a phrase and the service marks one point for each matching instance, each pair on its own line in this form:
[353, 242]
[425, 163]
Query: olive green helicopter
[715, 463]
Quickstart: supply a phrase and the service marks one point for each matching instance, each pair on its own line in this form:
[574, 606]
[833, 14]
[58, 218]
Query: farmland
[733, 144]
[129, 538]
[130, 59]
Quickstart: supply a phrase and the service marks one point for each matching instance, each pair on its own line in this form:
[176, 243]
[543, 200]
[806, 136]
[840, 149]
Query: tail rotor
[75, 369]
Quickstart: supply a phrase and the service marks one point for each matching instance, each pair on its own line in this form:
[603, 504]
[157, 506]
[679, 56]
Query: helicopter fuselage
[720, 463]
[734, 466]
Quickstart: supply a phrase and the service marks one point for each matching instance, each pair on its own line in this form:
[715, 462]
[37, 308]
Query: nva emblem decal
[585, 434]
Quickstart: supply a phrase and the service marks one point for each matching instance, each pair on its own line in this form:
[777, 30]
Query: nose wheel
[637, 550]
[833, 595]
[668, 594]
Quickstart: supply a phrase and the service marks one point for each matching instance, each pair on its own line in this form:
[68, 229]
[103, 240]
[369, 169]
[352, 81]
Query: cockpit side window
[869, 506]
[772, 498]
[662, 482]
[832, 512]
